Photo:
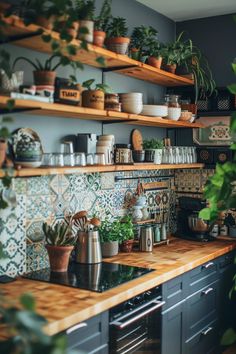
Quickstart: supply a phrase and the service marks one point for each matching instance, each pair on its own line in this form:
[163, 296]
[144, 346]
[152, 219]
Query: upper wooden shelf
[29, 37]
[46, 171]
[61, 110]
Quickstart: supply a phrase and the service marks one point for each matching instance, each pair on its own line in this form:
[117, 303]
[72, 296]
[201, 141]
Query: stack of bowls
[105, 145]
[132, 102]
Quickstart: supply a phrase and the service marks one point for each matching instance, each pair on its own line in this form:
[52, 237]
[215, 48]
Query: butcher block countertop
[64, 307]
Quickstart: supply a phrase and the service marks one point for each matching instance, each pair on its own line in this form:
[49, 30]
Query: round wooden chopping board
[136, 139]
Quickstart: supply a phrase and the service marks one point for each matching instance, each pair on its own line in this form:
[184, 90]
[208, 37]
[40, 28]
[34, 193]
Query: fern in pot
[153, 150]
[117, 40]
[60, 241]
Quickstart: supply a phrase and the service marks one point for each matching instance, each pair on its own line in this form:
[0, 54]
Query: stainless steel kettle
[146, 239]
[88, 248]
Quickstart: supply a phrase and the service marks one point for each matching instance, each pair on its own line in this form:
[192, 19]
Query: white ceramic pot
[174, 113]
[88, 37]
[137, 214]
[158, 156]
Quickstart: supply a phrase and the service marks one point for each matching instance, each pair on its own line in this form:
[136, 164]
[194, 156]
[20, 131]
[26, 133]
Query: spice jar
[123, 155]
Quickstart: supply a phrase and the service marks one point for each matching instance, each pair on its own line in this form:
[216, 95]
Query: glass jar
[172, 101]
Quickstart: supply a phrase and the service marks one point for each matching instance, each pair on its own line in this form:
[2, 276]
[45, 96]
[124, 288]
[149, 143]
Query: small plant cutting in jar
[141, 39]
[60, 241]
[117, 40]
[94, 96]
[153, 150]
[101, 23]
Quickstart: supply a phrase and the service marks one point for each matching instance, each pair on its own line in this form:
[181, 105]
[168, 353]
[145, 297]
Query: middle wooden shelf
[67, 111]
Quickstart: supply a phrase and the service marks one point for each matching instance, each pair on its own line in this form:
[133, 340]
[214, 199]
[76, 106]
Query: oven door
[139, 331]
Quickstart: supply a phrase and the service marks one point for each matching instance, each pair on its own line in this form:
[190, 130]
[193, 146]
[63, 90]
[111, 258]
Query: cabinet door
[91, 336]
[172, 324]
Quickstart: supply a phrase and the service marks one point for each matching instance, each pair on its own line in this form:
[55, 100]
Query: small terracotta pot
[45, 22]
[59, 257]
[93, 99]
[156, 62]
[71, 31]
[171, 68]
[126, 246]
[118, 44]
[3, 149]
[44, 78]
[99, 38]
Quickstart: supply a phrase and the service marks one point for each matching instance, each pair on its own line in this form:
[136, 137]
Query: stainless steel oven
[135, 325]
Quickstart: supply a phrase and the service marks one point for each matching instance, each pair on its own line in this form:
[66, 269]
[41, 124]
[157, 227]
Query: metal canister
[146, 239]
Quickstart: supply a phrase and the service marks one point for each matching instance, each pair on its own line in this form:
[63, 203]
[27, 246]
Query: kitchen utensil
[80, 219]
[88, 248]
[136, 139]
[146, 239]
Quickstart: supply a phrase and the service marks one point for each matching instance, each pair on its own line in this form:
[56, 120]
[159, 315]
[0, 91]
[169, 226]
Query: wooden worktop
[64, 307]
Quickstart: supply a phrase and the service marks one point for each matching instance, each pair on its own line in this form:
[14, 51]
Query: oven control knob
[147, 295]
[137, 300]
[129, 305]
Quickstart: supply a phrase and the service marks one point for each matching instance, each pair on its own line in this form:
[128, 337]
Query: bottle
[163, 232]
[157, 234]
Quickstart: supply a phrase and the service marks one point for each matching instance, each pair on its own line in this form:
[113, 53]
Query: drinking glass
[46, 159]
[89, 159]
[99, 159]
[80, 159]
[69, 160]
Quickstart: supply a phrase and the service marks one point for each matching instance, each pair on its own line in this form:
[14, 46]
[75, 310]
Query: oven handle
[120, 325]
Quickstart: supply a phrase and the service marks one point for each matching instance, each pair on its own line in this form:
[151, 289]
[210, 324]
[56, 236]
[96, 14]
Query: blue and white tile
[37, 257]
[39, 207]
[107, 180]
[59, 184]
[38, 185]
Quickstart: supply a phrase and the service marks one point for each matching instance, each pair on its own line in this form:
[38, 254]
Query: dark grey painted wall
[51, 129]
[215, 36]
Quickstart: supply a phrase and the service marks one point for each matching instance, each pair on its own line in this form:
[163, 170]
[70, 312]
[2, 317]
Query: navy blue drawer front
[173, 292]
[226, 261]
[201, 308]
[205, 341]
[201, 276]
[90, 336]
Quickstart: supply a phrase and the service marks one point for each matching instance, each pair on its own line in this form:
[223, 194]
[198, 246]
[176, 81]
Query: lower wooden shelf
[46, 171]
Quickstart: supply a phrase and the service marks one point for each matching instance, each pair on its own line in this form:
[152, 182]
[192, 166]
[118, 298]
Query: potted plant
[141, 38]
[85, 14]
[4, 135]
[101, 23]
[126, 239]
[94, 98]
[117, 40]
[153, 150]
[10, 80]
[155, 52]
[109, 235]
[44, 73]
[59, 244]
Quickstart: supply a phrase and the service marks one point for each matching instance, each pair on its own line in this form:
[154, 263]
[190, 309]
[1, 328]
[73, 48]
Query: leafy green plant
[153, 144]
[118, 230]
[126, 229]
[102, 20]
[144, 39]
[117, 28]
[39, 66]
[59, 234]
[85, 9]
[103, 87]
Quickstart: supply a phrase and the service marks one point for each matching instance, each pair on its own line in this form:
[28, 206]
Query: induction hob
[94, 277]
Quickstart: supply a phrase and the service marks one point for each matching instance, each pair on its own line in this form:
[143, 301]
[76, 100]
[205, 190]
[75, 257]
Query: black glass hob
[94, 277]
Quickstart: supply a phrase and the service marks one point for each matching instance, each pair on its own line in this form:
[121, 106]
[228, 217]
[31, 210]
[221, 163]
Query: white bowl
[132, 108]
[131, 94]
[174, 113]
[155, 110]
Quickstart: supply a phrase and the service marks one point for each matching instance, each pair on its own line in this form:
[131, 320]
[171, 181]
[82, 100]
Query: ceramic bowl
[155, 110]
[174, 113]
[138, 155]
[185, 116]
[132, 108]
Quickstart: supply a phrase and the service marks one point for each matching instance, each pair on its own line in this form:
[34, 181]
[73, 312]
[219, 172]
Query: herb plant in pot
[153, 150]
[101, 24]
[155, 51]
[109, 236]
[85, 13]
[94, 98]
[126, 234]
[141, 38]
[117, 40]
[59, 244]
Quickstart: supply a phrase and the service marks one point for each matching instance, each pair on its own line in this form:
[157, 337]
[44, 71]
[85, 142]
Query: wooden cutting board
[136, 139]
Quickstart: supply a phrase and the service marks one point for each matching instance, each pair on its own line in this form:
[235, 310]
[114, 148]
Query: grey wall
[51, 129]
[215, 36]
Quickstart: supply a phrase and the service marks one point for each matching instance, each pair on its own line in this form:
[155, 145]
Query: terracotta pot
[93, 99]
[171, 68]
[110, 249]
[126, 246]
[45, 22]
[156, 62]
[99, 38]
[59, 257]
[191, 107]
[71, 31]
[88, 37]
[118, 44]
[44, 78]
[3, 149]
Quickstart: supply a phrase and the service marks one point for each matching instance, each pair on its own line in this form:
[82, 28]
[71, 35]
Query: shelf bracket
[117, 68]
[17, 110]
[19, 37]
[105, 122]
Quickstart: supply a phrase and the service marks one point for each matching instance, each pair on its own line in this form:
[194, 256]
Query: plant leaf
[28, 302]
[229, 337]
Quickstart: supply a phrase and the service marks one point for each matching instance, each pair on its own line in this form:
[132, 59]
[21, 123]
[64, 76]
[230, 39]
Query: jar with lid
[174, 108]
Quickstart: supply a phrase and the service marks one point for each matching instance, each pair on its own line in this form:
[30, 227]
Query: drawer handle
[207, 331]
[74, 328]
[208, 265]
[206, 292]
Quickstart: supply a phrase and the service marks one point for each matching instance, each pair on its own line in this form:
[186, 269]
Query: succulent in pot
[101, 23]
[153, 150]
[94, 97]
[117, 40]
[85, 14]
[140, 41]
[60, 241]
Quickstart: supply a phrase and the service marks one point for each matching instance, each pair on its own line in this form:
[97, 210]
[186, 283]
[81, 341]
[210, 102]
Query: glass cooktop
[94, 277]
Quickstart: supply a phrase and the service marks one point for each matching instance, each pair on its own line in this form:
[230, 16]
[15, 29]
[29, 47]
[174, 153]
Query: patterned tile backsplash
[48, 197]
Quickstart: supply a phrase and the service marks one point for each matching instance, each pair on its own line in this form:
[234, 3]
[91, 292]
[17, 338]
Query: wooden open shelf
[67, 111]
[46, 171]
[29, 37]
